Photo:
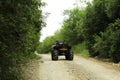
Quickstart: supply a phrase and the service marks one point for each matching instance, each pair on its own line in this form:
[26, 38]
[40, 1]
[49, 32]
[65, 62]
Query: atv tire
[54, 55]
[69, 56]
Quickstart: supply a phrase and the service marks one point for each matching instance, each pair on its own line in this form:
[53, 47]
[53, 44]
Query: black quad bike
[61, 49]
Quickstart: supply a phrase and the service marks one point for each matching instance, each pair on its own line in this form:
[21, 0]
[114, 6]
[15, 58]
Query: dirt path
[78, 69]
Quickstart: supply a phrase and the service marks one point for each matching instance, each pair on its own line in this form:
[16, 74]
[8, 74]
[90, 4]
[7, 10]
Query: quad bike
[61, 49]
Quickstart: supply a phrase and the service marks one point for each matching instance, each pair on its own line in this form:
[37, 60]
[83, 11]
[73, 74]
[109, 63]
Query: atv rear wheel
[69, 56]
[54, 55]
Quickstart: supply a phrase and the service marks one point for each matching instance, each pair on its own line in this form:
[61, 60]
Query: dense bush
[81, 49]
[108, 43]
[46, 45]
[112, 8]
[20, 25]
[95, 21]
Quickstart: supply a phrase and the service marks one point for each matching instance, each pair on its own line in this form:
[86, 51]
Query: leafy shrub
[20, 24]
[81, 49]
[108, 44]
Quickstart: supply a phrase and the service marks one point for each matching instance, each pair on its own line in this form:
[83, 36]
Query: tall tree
[72, 25]
[95, 21]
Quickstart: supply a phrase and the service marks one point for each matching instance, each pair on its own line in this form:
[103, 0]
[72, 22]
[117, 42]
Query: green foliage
[113, 9]
[20, 25]
[71, 29]
[45, 46]
[95, 21]
[110, 42]
[58, 36]
[81, 49]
